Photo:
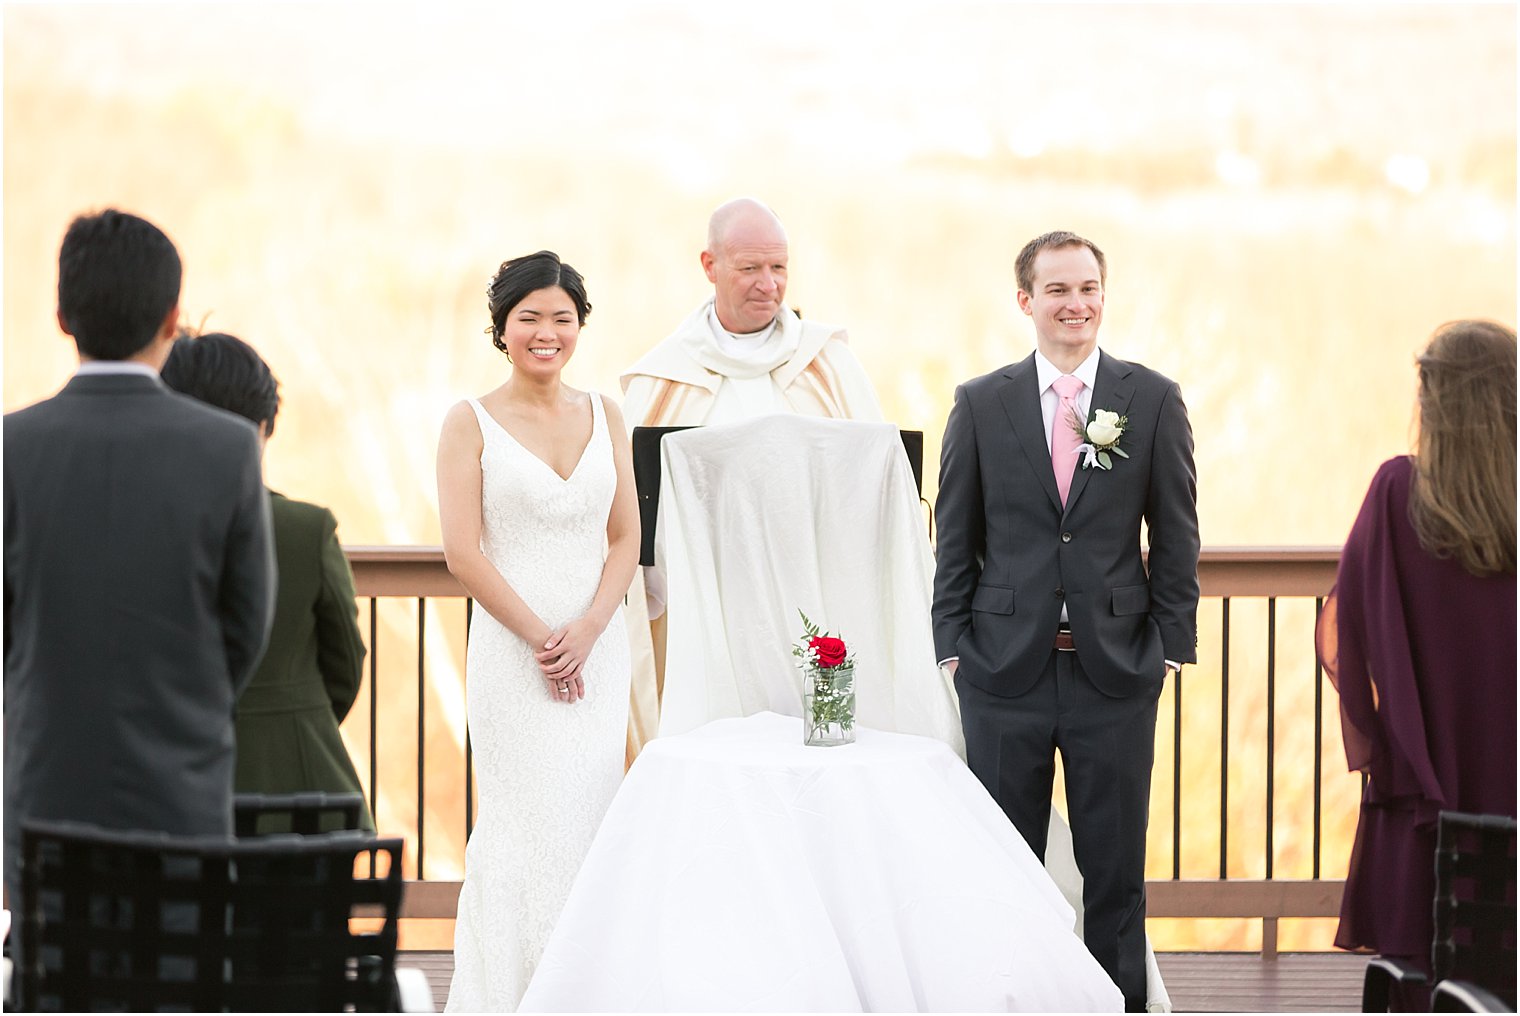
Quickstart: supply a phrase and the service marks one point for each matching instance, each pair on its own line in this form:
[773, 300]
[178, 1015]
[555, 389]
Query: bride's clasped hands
[564, 656]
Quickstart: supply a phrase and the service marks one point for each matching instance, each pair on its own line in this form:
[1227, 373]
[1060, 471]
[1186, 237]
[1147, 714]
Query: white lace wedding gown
[547, 770]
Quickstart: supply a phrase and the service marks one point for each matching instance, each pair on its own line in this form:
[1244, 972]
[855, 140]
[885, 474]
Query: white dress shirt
[96, 367]
[1046, 373]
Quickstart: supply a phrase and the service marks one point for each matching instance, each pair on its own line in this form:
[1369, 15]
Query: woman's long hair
[1462, 503]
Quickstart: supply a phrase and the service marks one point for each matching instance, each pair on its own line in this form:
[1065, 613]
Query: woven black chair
[150, 923]
[1473, 954]
[304, 814]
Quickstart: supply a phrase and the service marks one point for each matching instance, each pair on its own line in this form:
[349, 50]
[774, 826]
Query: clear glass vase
[828, 705]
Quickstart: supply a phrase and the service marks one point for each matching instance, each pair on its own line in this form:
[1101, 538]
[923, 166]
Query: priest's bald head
[745, 260]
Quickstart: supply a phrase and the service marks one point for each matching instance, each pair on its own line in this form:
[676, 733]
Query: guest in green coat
[287, 719]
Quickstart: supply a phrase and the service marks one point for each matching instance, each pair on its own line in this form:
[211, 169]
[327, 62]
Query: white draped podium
[740, 871]
[763, 518]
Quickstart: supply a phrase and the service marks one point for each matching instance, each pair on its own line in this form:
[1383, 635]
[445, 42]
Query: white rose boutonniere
[1100, 438]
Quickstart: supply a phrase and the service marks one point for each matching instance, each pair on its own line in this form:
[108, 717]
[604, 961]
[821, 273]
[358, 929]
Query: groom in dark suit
[139, 570]
[1058, 631]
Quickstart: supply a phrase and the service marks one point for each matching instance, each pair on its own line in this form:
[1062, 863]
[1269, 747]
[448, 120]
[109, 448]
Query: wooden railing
[1247, 579]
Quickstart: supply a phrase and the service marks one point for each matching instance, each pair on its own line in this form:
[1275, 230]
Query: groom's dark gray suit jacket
[1009, 555]
[139, 589]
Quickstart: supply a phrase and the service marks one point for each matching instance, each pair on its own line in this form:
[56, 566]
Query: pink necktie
[1063, 434]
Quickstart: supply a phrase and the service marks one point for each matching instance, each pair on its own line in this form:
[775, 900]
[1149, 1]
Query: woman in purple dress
[1419, 637]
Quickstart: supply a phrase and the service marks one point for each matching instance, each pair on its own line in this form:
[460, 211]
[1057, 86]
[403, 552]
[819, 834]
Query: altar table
[738, 870]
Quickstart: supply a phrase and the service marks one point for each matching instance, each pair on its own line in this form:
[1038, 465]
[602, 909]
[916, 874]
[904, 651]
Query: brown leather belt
[1064, 641]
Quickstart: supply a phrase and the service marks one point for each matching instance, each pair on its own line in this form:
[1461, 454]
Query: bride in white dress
[540, 525]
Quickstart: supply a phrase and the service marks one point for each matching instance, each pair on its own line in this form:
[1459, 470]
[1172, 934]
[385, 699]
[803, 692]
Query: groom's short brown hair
[1023, 266]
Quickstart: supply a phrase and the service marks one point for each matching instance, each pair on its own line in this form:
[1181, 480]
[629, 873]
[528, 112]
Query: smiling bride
[535, 479]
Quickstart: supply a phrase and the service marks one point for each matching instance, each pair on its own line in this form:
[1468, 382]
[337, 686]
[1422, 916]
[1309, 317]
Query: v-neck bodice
[486, 420]
[536, 523]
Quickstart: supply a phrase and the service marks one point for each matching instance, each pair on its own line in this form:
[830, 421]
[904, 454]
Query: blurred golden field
[1290, 197]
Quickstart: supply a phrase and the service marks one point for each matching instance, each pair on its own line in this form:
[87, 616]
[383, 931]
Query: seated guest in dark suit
[287, 719]
[139, 566]
[1419, 638]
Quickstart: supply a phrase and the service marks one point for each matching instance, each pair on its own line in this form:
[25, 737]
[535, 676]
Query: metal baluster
[1224, 742]
[374, 718]
[421, 706]
[1271, 716]
[1319, 723]
[1177, 776]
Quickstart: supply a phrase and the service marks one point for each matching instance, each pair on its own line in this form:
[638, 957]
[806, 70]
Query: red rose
[830, 651]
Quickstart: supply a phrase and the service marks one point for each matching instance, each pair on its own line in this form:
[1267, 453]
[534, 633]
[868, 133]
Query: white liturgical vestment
[745, 362]
[702, 374]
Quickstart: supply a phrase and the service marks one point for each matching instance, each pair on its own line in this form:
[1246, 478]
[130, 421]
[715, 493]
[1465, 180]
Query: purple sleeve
[1365, 644]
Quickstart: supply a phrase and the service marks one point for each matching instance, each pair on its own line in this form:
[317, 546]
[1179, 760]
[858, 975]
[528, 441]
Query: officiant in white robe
[739, 355]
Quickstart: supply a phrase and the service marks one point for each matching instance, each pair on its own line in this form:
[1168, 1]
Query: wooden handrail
[402, 571]
[1222, 571]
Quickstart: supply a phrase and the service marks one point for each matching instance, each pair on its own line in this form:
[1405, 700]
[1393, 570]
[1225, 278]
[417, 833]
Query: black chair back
[1475, 902]
[142, 922]
[304, 814]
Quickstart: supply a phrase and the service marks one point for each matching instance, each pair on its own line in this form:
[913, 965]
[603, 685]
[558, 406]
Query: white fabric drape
[761, 519]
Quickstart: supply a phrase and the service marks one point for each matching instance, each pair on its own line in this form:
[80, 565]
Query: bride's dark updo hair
[515, 279]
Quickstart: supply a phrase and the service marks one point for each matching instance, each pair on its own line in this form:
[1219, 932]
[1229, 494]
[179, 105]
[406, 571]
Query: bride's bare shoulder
[460, 424]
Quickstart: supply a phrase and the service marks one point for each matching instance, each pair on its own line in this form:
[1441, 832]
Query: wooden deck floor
[1244, 982]
[1197, 982]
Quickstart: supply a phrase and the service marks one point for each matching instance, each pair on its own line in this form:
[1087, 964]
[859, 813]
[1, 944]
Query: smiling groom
[1057, 629]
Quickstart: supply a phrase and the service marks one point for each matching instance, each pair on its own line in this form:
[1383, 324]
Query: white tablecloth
[738, 870]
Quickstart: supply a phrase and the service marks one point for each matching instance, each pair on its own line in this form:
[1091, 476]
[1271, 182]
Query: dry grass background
[342, 181]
